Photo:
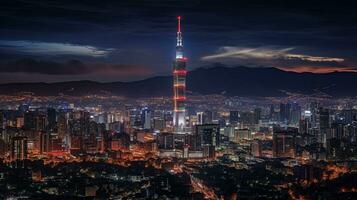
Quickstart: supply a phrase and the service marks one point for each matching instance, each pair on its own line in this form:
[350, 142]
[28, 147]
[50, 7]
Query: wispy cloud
[313, 58]
[319, 70]
[266, 54]
[52, 48]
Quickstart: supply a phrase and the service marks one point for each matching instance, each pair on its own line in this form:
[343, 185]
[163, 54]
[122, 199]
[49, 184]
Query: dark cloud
[29, 65]
[202, 15]
[70, 67]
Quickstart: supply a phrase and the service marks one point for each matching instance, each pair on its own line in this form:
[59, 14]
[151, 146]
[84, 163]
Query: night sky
[125, 40]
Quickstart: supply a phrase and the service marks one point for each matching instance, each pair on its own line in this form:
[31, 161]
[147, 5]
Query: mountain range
[230, 81]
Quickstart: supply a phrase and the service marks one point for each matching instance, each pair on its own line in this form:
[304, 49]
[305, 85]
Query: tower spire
[179, 24]
[179, 33]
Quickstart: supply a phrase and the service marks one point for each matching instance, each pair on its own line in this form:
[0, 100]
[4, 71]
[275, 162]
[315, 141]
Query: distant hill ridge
[231, 81]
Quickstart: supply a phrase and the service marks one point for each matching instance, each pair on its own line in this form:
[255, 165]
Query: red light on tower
[179, 24]
[180, 72]
[180, 98]
[184, 59]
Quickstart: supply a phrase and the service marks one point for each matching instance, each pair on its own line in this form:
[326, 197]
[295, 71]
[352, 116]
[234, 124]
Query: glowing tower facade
[179, 75]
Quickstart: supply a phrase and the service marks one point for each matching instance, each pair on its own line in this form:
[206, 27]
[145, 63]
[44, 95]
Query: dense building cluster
[286, 147]
[188, 147]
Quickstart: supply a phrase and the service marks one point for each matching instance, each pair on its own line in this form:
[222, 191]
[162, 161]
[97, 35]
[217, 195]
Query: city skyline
[178, 99]
[132, 40]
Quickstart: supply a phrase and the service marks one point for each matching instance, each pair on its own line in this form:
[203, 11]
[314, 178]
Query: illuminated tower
[179, 75]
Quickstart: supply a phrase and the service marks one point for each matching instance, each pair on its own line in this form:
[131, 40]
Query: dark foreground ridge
[231, 81]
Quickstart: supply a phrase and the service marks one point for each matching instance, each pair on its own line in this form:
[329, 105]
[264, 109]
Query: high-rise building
[45, 142]
[159, 124]
[51, 118]
[209, 151]
[18, 148]
[20, 122]
[337, 131]
[256, 148]
[62, 125]
[295, 113]
[207, 134]
[324, 124]
[199, 118]
[233, 117]
[179, 75]
[284, 144]
[304, 125]
[333, 148]
[229, 132]
[257, 115]
[285, 114]
[207, 117]
[2, 121]
[314, 114]
[271, 111]
[146, 118]
[349, 115]
[166, 140]
[242, 134]
[29, 120]
[40, 122]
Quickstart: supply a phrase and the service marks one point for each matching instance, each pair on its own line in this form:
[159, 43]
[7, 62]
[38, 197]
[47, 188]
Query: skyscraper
[233, 117]
[18, 148]
[257, 115]
[51, 118]
[324, 124]
[284, 144]
[256, 148]
[179, 75]
[45, 142]
[207, 134]
[146, 118]
[285, 112]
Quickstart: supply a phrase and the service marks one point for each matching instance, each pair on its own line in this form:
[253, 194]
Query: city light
[95, 104]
